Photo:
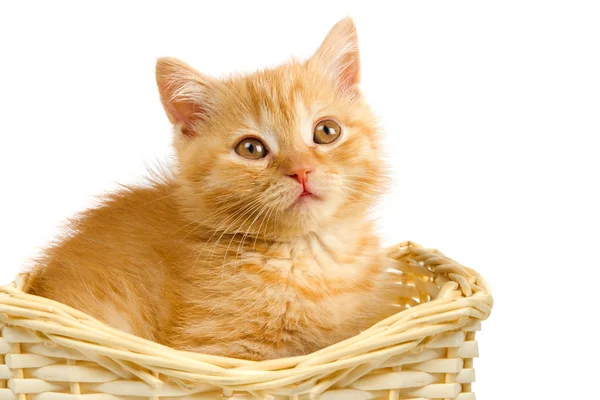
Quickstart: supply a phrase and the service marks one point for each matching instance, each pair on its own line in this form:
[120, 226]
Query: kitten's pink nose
[300, 174]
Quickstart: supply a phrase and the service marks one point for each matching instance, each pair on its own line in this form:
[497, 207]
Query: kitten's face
[278, 152]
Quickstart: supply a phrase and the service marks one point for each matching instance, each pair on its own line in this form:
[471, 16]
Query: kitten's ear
[339, 55]
[185, 93]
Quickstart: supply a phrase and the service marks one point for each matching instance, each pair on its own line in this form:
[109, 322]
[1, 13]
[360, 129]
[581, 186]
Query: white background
[492, 114]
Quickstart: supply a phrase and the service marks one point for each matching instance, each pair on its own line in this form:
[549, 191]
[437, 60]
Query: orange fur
[223, 257]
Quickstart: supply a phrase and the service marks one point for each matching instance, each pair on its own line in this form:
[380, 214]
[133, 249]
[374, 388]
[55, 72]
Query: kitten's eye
[326, 132]
[251, 148]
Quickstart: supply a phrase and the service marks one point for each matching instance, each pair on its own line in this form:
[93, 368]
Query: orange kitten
[259, 246]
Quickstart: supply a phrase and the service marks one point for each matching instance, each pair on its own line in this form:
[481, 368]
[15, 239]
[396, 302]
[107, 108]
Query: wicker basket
[49, 351]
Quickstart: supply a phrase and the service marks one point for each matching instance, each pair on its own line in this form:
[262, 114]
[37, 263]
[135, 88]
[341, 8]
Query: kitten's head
[281, 151]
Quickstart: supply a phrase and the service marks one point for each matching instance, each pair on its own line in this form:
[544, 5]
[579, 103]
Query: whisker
[217, 230]
[236, 232]
[248, 231]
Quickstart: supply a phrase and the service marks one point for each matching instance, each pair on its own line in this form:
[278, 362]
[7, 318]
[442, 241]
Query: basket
[49, 351]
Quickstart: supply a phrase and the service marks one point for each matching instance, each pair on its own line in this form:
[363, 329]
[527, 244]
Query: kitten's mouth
[306, 195]
[303, 196]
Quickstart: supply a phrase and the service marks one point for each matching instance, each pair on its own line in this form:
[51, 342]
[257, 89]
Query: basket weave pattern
[49, 351]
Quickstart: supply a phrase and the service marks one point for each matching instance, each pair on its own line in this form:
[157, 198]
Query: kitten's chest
[314, 266]
[311, 290]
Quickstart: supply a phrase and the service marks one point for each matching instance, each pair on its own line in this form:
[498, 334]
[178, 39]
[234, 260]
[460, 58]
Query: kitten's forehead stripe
[280, 109]
[272, 96]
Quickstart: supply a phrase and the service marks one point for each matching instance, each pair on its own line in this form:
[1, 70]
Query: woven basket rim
[72, 328]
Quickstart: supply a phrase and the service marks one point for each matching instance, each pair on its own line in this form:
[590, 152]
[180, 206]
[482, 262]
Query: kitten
[259, 246]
